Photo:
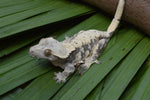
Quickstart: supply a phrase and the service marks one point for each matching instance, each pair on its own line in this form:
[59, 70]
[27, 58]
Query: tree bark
[136, 12]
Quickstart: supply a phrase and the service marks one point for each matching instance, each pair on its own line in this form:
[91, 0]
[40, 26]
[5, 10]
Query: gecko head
[48, 48]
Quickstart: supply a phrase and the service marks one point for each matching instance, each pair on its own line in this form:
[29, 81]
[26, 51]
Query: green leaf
[5, 3]
[22, 74]
[96, 93]
[139, 89]
[15, 60]
[21, 7]
[143, 90]
[11, 95]
[120, 78]
[45, 18]
[41, 88]
[20, 16]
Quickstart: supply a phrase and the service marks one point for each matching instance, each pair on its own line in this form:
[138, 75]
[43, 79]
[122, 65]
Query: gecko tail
[116, 20]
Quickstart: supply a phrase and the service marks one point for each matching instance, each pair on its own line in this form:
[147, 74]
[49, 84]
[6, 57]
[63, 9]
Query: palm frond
[121, 74]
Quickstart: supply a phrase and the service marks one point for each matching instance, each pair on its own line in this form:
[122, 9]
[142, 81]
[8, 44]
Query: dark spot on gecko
[76, 43]
[99, 50]
[86, 47]
[82, 55]
[118, 20]
[72, 56]
[100, 47]
[93, 43]
[101, 38]
[95, 40]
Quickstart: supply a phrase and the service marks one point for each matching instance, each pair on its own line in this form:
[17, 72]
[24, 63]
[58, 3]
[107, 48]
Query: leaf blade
[46, 18]
[126, 71]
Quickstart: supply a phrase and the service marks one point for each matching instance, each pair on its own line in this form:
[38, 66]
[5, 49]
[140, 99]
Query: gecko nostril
[31, 52]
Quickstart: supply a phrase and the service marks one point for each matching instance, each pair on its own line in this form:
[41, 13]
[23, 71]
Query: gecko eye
[47, 52]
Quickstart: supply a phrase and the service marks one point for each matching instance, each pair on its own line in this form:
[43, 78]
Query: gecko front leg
[61, 76]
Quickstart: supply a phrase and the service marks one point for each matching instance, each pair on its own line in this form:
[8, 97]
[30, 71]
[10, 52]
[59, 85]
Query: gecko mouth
[33, 53]
[33, 56]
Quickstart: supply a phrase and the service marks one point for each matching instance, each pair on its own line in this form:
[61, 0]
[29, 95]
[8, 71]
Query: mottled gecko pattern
[81, 50]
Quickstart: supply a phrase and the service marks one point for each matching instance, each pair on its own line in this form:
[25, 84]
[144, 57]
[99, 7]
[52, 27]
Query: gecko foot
[82, 68]
[97, 62]
[60, 77]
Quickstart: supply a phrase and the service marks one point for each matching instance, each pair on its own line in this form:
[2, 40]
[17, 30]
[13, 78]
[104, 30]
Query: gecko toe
[59, 77]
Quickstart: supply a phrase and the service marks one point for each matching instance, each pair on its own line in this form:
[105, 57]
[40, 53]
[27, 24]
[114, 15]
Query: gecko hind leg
[88, 62]
[93, 59]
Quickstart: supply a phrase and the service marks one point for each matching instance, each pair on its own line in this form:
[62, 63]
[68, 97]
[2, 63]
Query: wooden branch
[136, 12]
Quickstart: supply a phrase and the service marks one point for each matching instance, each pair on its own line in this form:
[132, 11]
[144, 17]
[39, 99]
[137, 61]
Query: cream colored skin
[82, 49]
